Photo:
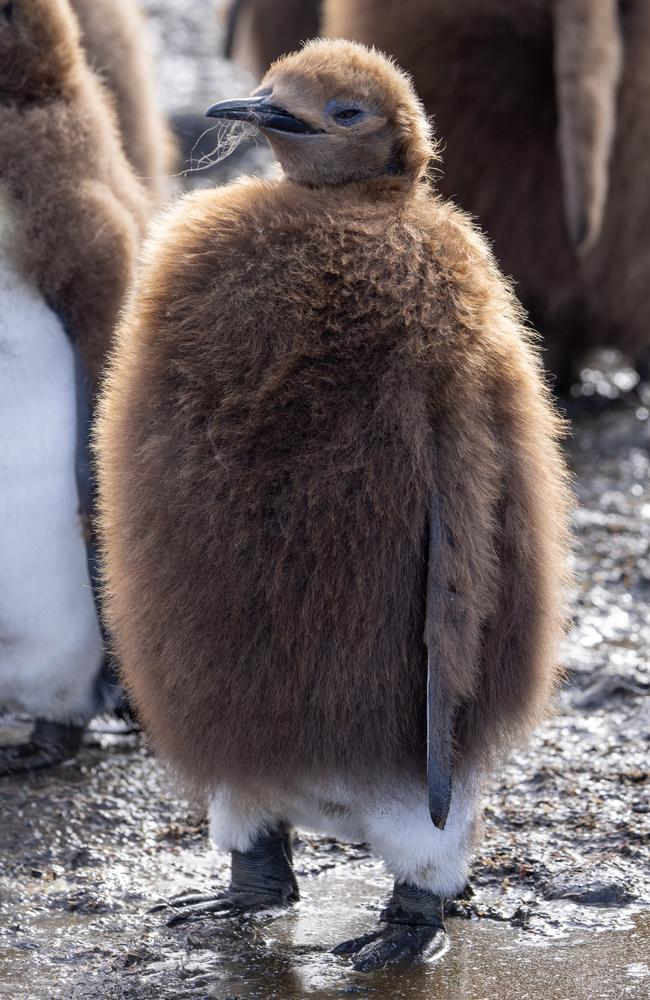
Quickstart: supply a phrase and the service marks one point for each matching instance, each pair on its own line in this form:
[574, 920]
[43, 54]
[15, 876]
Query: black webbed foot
[354, 945]
[51, 743]
[220, 905]
[392, 945]
[413, 929]
[262, 879]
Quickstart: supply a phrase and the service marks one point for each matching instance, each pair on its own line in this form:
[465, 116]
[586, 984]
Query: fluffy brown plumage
[541, 106]
[260, 31]
[78, 209]
[304, 366]
[114, 35]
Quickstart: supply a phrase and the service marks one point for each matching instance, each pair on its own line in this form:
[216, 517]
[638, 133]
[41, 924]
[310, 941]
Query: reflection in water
[289, 958]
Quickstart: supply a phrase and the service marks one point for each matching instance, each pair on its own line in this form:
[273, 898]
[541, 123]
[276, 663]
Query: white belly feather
[50, 644]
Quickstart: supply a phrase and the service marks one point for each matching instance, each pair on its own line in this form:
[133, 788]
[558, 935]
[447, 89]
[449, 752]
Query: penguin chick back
[299, 372]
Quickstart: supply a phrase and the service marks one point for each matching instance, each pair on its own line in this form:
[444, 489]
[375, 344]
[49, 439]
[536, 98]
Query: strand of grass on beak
[229, 136]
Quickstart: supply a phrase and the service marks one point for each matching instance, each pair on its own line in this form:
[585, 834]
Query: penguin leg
[51, 743]
[262, 878]
[429, 865]
[414, 928]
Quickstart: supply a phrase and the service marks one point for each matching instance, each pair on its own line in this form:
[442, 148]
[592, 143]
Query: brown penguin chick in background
[325, 448]
[260, 31]
[542, 105]
[71, 215]
[79, 210]
[114, 34]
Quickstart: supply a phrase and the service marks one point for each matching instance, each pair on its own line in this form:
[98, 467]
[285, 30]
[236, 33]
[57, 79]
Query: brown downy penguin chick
[541, 104]
[114, 35]
[329, 475]
[260, 31]
[71, 214]
[79, 210]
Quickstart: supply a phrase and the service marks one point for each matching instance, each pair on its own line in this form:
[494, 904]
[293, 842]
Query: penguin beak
[257, 111]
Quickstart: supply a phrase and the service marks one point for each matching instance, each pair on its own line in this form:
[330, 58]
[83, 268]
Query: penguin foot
[414, 929]
[52, 743]
[262, 879]
[221, 905]
[392, 945]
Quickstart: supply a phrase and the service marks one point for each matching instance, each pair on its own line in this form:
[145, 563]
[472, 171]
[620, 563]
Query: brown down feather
[485, 70]
[300, 370]
[115, 37]
[79, 211]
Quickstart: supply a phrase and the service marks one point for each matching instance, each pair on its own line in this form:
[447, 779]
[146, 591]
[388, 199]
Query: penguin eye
[344, 112]
[347, 116]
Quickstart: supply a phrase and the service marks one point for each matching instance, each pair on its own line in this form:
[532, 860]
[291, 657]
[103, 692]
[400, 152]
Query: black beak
[258, 112]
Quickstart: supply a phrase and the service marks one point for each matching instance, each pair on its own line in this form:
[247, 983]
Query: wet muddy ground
[561, 881]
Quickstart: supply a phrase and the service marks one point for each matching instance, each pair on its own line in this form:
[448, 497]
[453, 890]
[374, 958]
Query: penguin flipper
[51, 743]
[588, 56]
[439, 709]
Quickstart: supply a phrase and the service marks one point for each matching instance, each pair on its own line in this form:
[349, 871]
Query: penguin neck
[374, 188]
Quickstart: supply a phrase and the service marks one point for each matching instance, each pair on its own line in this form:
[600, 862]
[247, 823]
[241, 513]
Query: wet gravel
[562, 878]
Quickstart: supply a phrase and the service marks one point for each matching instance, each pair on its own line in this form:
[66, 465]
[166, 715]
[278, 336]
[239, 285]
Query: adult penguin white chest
[50, 643]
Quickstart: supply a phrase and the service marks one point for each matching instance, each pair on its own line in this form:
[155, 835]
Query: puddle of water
[484, 961]
[288, 958]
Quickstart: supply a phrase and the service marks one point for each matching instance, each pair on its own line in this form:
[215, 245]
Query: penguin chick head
[39, 49]
[337, 112]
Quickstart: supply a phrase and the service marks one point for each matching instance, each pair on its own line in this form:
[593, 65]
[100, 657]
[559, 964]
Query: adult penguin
[260, 31]
[115, 38]
[543, 108]
[332, 503]
[71, 215]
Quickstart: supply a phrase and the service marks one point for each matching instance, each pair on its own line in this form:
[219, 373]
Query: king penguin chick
[329, 483]
[260, 31]
[115, 38]
[71, 214]
[542, 107]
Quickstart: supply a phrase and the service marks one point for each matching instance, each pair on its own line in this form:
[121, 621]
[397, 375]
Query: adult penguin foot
[51, 743]
[262, 878]
[414, 929]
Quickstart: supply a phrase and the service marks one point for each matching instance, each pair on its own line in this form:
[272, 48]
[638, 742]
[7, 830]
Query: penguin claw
[185, 899]
[393, 945]
[223, 905]
[354, 945]
[216, 907]
[52, 743]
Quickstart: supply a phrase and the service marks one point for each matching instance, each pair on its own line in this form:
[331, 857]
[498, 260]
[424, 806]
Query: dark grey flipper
[261, 879]
[440, 711]
[109, 694]
[414, 928]
[234, 13]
